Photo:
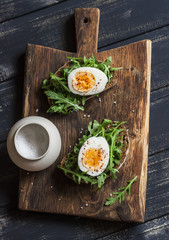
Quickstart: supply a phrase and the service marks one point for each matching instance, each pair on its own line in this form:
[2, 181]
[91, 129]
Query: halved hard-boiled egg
[93, 156]
[87, 81]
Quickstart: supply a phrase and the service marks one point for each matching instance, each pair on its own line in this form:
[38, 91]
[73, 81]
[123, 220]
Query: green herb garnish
[121, 194]
[111, 132]
[62, 100]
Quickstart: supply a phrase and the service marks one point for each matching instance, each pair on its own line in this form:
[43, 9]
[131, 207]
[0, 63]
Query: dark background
[51, 23]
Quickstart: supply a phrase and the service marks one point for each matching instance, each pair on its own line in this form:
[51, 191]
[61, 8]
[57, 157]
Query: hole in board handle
[85, 20]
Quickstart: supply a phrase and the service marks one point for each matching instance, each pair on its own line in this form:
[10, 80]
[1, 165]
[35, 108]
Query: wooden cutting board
[49, 190]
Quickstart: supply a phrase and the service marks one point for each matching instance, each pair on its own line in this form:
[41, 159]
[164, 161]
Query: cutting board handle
[87, 29]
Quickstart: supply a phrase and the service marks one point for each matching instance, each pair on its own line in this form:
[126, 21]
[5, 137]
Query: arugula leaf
[106, 122]
[83, 101]
[121, 194]
[93, 126]
[61, 103]
[58, 82]
[101, 179]
[79, 176]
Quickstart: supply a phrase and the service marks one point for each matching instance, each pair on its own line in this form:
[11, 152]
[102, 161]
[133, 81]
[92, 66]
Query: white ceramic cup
[34, 143]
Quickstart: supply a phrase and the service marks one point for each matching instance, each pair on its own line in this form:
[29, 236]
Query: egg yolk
[83, 81]
[92, 158]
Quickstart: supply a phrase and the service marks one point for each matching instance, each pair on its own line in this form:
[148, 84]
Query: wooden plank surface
[10, 9]
[14, 224]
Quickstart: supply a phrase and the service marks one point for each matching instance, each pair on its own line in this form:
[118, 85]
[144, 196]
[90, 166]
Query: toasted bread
[125, 150]
[109, 85]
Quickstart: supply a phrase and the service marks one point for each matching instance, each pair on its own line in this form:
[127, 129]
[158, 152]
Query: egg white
[94, 142]
[100, 77]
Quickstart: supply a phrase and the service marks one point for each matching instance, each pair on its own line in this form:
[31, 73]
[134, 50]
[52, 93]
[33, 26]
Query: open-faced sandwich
[77, 81]
[99, 153]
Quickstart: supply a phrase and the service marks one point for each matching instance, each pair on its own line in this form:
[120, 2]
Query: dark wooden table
[51, 23]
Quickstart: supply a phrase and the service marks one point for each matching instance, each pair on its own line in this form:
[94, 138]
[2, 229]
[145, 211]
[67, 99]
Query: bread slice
[124, 154]
[109, 85]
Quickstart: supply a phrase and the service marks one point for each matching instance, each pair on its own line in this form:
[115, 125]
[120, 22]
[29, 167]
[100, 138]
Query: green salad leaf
[61, 99]
[111, 132]
[121, 194]
[63, 103]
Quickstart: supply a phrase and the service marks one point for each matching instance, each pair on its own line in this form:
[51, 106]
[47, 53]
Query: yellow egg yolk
[92, 159]
[83, 81]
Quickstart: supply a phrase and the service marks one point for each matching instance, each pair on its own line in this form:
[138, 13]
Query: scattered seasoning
[27, 173]
[70, 146]
[84, 115]
[32, 183]
[100, 99]
[133, 110]
[110, 194]
[51, 186]
[81, 207]
[59, 199]
[87, 204]
[88, 116]
[114, 102]
[80, 131]
[136, 130]
[37, 110]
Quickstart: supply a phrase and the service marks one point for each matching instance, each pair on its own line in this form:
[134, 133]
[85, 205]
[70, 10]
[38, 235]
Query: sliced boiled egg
[87, 81]
[93, 156]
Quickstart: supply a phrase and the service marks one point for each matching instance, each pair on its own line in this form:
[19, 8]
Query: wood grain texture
[156, 229]
[21, 225]
[10, 9]
[87, 23]
[132, 95]
[10, 105]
